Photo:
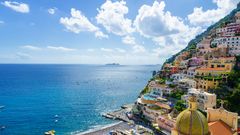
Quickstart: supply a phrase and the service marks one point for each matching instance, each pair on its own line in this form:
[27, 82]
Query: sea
[70, 99]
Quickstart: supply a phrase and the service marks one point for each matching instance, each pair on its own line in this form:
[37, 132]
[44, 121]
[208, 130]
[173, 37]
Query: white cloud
[128, 40]
[60, 48]
[138, 49]
[167, 30]
[106, 49]
[16, 6]
[30, 47]
[113, 50]
[153, 21]
[22, 55]
[90, 50]
[120, 50]
[112, 16]
[100, 35]
[79, 23]
[210, 16]
[165, 51]
[52, 10]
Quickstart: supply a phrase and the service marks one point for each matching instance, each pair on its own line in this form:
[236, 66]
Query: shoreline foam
[103, 128]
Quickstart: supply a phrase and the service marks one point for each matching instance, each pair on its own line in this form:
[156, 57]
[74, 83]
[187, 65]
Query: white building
[156, 88]
[204, 44]
[177, 77]
[233, 44]
[205, 100]
[183, 64]
[187, 83]
[237, 17]
[191, 72]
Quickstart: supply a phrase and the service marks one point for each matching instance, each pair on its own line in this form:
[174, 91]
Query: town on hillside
[199, 92]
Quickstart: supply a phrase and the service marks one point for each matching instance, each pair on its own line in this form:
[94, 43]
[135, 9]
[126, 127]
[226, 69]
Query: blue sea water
[66, 98]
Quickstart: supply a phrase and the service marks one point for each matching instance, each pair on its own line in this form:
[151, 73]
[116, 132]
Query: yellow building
[209, 78]
[223, 62]
[219, 71]
[208, 83]
[191, 121]
[222, 122]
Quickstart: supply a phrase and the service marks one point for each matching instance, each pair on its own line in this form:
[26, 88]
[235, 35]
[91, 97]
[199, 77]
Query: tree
[180, 105]
[233, 101]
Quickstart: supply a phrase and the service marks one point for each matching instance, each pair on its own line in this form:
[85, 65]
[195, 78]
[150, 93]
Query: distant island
[112, 64]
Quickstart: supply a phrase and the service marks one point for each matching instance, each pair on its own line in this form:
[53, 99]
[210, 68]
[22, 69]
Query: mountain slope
[199, 37]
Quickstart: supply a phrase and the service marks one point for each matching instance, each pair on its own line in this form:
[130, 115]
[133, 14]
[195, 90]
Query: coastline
[118, 114]
[104, 129]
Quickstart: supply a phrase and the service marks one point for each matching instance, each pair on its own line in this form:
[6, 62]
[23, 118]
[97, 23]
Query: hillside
[198, 38]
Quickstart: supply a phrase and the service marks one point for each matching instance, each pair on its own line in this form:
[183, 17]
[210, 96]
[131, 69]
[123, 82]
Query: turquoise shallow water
[67, 98]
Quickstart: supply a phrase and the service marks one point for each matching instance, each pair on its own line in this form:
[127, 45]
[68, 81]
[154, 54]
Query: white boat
[51, 132]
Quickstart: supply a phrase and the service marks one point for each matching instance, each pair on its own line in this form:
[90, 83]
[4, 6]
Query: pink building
[195, 61]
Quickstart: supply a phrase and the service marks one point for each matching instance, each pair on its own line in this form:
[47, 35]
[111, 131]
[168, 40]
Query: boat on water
[51, 132]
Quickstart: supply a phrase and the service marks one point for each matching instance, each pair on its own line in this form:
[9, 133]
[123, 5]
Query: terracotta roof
[165, 106]
[219, 128]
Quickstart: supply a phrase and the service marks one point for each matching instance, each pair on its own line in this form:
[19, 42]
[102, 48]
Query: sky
[133, 32]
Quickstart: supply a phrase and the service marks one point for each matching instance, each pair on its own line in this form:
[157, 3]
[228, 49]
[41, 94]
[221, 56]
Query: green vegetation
[213, 77]
[192, 46]
[180, 105]
[230, 91]
[176, 94]
[159, 80]
[172, 85]
[145, 90]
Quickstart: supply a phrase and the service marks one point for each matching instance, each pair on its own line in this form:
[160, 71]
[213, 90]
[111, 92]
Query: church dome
[191, 121]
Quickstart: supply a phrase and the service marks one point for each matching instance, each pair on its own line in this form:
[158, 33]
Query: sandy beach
[105, 130]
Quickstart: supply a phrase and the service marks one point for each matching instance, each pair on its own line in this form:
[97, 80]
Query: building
[191, 72]
[177, 77]
[191, 121]
[219, 51]
[183, 64]
[204, 44]
[207, 83]
[195, 61]
[216, 71]
[237, 17]
[209, 78]
[156, 88]
[187, 83]
[168, 70]
[204, 99]
[223, 62]
[232, 43]
[164, 122]
[227, 31]
[222, 122]
[218, 122]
